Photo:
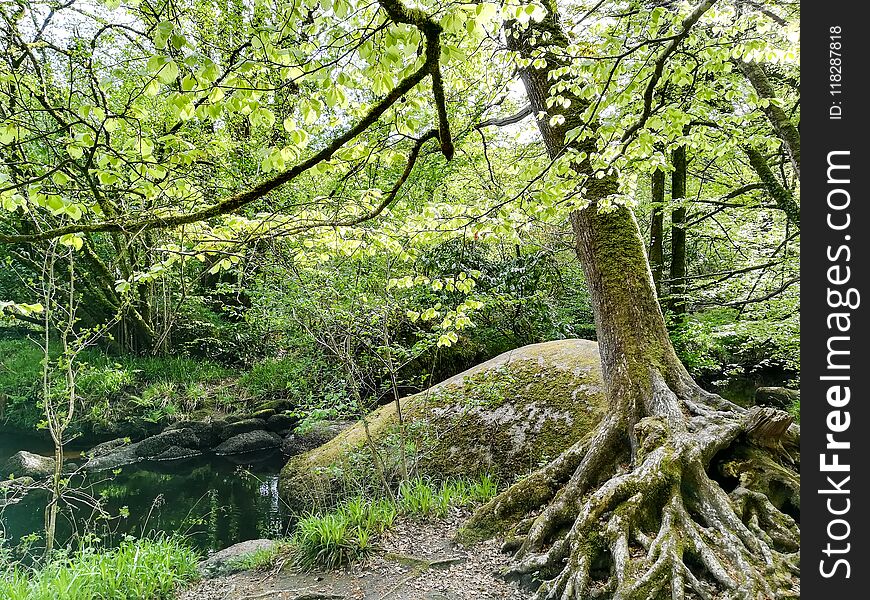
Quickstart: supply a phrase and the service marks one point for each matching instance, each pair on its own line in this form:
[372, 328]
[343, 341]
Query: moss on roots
[659, 527]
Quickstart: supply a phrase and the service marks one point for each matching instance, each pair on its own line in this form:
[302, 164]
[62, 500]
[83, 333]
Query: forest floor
[415, 561]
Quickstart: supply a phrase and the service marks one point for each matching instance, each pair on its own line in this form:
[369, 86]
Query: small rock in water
[25, 463]
[249, 442]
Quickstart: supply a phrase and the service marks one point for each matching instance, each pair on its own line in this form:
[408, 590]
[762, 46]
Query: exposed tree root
[651, 523]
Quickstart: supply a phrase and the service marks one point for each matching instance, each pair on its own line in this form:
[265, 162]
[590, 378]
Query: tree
[656, 245]
[641, 530]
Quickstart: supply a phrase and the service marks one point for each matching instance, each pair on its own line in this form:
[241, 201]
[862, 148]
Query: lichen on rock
[505, 417]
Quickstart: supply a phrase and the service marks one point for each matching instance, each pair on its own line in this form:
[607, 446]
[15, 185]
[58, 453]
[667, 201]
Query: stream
[212, 501]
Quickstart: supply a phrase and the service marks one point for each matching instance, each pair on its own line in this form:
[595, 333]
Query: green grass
[259, 560]
[111, 388]
[147, 568]
[349, 532]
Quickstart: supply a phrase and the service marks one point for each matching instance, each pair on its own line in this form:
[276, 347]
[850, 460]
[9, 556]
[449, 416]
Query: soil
[414, 561]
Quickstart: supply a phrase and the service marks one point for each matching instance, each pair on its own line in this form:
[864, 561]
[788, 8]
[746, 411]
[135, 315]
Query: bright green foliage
[329, 541]
[146, 568]
[421, 498]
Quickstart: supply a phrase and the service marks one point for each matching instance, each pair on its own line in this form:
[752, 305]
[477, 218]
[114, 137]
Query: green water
[211, 501]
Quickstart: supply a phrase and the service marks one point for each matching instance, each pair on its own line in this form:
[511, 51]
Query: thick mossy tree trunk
[641, 508]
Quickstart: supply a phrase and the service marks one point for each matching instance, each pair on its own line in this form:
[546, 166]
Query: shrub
[418, 498]
[302, 376]
[110, 389]
[329, 541]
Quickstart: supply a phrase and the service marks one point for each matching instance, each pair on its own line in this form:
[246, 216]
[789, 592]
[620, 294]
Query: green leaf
[162, 33]
[168, 72]
[74, 212]
[178, 41]
[55, 203]
[107, 178]
[299, 137]
[263, 117]
[72, 240]
[209, 70]
[188, 83]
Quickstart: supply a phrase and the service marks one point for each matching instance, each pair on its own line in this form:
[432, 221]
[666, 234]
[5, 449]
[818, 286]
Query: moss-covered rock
[505, 416]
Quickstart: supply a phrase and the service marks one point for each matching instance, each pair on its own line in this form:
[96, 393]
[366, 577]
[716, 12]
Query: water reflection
[212, 501]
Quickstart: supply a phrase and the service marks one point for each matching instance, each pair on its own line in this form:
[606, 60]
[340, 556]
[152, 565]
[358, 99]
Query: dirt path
[418, 561]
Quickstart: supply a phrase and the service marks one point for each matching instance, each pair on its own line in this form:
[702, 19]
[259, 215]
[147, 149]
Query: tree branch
[785, 129]
[780, 194]
[515, 118]
[431, 30]
[399, 13]
[688, 23]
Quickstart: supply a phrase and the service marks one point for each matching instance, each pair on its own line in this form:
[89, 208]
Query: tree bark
[781, 195]
[678, 233]
[782, 125]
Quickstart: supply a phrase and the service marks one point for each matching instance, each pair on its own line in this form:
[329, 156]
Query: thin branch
[688, 23]
[503, 122]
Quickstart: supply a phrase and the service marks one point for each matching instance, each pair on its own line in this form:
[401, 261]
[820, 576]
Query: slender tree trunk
[656, 235]
[782, 125]
[678, 233]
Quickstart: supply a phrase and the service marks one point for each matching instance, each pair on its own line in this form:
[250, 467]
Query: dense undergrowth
[137, 569]
[727, 355]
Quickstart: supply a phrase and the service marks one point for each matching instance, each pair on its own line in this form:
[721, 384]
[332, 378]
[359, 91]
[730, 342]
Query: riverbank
[416, 560]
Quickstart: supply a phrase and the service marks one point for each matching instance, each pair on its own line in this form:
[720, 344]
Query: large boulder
[504, 416]
[27, 464]
[251, 441]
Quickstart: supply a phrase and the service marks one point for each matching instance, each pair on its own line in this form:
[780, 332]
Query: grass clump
[137, 569]
[421, 498]
[260, 560]
[349, 532]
